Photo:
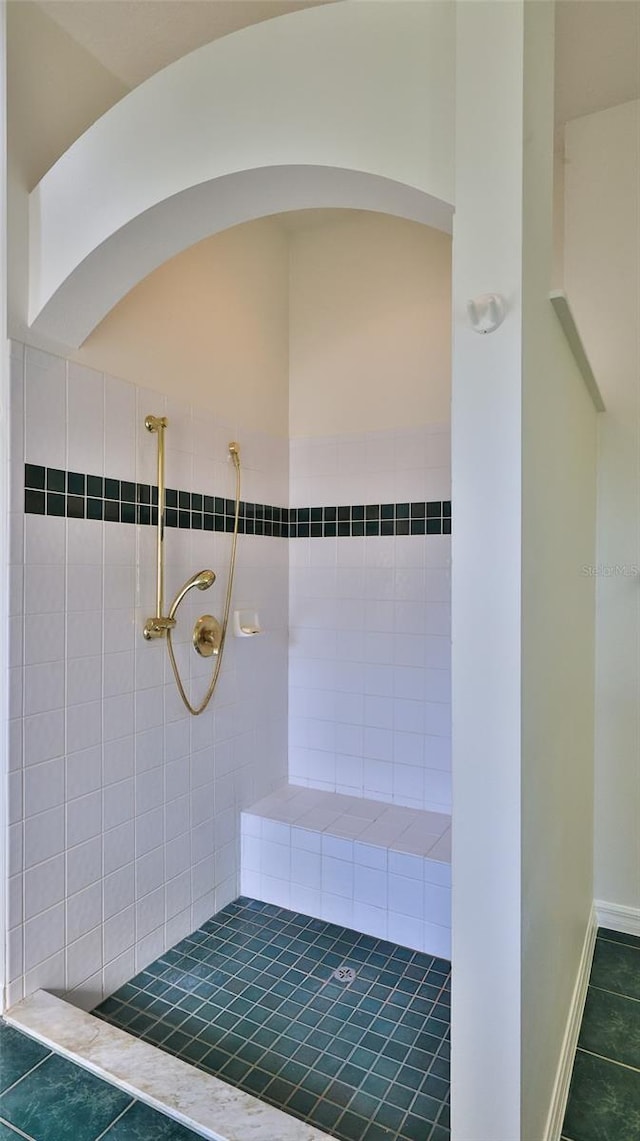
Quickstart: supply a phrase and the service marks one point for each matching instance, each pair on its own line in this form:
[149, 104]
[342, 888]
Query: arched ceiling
[597, 52]
[287, 115]
[135, 38]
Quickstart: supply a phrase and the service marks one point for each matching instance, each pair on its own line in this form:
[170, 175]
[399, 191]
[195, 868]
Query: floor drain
[344, 974]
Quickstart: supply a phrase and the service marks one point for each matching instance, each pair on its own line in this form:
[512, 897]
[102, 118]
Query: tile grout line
[613, 1061]
[16, 1128]
[614, 993]
[26, 1075]
[618, 942]
[119, 1118]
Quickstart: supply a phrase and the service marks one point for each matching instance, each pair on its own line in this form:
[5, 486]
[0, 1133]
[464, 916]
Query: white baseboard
[617, 917]
[570, 1041]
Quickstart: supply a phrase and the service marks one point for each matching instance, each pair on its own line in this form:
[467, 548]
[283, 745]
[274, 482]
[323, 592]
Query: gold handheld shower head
[203, 580]
[234, 452]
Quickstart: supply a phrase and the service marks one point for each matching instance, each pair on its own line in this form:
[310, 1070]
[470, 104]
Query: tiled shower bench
[382, 869]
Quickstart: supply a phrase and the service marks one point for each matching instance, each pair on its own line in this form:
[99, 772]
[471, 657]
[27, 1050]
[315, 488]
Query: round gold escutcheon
[207, 636]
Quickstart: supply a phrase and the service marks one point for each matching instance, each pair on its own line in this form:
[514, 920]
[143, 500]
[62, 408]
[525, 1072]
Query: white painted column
[524, 447]
[486, 591]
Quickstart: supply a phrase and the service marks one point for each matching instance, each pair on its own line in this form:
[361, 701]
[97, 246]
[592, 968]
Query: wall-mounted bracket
[157, 627]
[566, 318]
[486, 312]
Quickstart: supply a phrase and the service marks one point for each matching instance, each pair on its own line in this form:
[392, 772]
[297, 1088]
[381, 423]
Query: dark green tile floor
[44, 1097]
[604, 1099]
[250, 998]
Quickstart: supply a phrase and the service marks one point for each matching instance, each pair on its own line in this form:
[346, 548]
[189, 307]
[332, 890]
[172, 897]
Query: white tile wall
[123, 810]
[370, 653]
[372, 467]
[124, 825]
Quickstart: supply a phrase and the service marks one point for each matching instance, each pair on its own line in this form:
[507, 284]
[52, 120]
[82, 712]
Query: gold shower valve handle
[207, 636]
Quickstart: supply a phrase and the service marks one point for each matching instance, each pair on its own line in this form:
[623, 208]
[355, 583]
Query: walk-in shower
[225, 853]
[347, 1030]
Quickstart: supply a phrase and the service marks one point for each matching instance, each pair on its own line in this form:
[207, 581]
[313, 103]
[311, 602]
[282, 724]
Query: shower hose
[196, 710]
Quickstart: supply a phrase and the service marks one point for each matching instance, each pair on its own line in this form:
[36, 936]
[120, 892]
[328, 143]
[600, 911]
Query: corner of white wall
[602, 267]
[4, 521]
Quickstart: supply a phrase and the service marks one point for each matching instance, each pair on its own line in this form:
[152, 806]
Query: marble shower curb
[200, 1101]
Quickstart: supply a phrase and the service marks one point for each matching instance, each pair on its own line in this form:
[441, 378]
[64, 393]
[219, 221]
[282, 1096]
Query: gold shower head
[203, 579]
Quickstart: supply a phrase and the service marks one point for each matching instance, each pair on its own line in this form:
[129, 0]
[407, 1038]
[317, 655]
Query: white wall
[213, 322]
[523, 619]
[558, 215]
[559, 426]
[369, 672]
[370, 305]
[602, 276]
[5, 459]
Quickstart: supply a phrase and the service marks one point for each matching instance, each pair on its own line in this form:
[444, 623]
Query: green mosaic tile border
[74, 495]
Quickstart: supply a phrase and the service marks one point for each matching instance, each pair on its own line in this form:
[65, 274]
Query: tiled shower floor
[250, 998]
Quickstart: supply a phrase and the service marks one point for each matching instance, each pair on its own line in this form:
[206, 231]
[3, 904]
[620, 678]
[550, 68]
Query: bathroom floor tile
[51, 1099]
[9, 1134]
[604, 1098]
[604, 1101]
[58, 1099]
[611, 1027]
[18, 1055]
[604, 933]
[251, 997]
[141, 1123]
[616, 967]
